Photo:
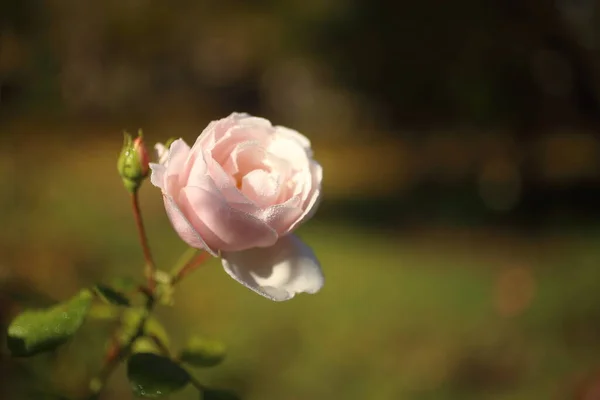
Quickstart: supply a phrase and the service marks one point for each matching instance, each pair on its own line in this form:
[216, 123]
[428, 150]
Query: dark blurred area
[467, 129]
[491, 106]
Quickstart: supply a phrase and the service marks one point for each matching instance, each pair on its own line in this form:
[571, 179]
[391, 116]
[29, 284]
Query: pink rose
[239, 192]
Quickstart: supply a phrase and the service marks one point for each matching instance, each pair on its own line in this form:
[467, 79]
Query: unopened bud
[133, 162]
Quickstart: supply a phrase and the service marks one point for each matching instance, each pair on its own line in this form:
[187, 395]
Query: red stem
[149, 267]
[191, 266]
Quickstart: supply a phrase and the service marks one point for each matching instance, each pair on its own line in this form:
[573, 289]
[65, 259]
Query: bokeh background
[460, 224]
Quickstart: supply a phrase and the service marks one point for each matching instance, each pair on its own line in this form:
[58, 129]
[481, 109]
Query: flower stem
[113, 357]
[116, 354]
[167, 353]
[162, 347]
[187, 264]
[149, 266]
[196, 383]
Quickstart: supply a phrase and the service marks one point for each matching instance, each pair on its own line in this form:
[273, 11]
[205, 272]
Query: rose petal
[182, 226]
[157, 178]
[295, 155]
[176, 174]
[260, 187]
[222, 180]
[216, 129]
[245, 157]
[196, 170]
[280, 217]
[278, 272]
[295, 136]
[162, 153]
[239, 119]
[220, 225]
[313, 201]
[222, 135]
[250, 120]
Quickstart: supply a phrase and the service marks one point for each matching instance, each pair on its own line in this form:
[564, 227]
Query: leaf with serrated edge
[36, 331]
[156, 329]
[130, 321]
[112, 296]
[102, 311]
[201, 352]
[124, 284]
[154, 376]
[145, 345]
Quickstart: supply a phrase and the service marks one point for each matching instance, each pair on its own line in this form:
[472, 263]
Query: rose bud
[133, 163]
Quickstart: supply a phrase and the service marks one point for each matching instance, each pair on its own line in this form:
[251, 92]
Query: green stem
[188, 262]
[117, 354]
[195, 383]
[167, 353]
[162, 347]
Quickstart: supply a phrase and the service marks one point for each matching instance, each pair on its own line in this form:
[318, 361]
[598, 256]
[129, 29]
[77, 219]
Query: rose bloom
[239, 192]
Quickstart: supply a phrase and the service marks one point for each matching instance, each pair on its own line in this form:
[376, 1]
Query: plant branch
[149, 266]
[196, 383]
[188, 263]
[162, 347]
[165, 350]
[116, 354]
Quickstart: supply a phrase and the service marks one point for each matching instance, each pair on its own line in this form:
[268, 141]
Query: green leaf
[145, 345]
[153, 376]
[218, 394]
[124, 284]
[111, 296]
[156, 329]
[36, 331]
[201, 352]
[101, 311]
[130, 321]
[164, 292]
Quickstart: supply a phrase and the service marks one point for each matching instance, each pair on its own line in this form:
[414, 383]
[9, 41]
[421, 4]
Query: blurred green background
[459, 229]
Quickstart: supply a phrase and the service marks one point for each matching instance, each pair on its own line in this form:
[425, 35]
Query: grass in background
[402, 316]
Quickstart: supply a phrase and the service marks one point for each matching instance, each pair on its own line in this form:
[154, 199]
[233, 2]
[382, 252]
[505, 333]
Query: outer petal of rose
[158, 175]
[315, 198]
[182, 226]
[162, 153]
[277, 272]
[162, 173]
[281, 217]
[296, 155]
[219, 224]
[296, 136]
[176, 173]
[196, 169]
[215, 131]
